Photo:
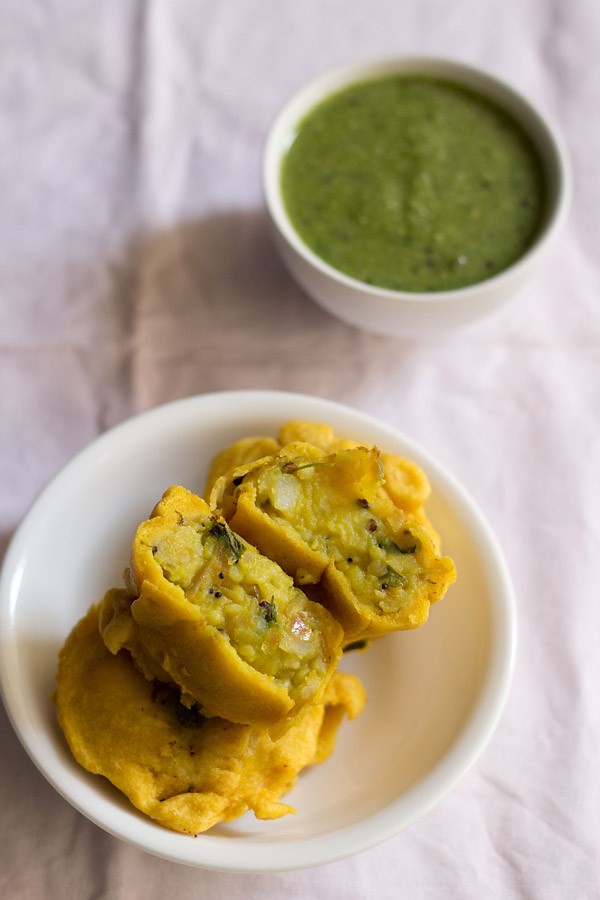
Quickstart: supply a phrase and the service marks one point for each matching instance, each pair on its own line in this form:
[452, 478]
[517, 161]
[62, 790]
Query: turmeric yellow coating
[325, 519]
[246, 450]
[225, 624]
[186, 772]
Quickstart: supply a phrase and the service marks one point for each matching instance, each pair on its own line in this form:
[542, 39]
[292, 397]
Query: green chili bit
[393, 579]
[270, 611]
[232, 543]
[392, 547]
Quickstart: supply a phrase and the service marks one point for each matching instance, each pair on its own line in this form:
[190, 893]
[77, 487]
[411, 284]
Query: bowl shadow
[214, 308]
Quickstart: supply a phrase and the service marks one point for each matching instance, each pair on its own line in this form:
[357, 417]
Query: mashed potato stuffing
[404, 482]
[329, 523]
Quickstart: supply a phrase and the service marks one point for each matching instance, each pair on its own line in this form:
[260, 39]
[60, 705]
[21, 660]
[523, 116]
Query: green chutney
[413, 183]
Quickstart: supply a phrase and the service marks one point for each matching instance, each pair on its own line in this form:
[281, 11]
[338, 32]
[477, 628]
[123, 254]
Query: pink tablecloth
[136, 268]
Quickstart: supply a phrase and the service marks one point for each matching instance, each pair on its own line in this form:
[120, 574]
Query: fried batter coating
[185, 771]
[325, 520]
[246, 450]
[226, 625]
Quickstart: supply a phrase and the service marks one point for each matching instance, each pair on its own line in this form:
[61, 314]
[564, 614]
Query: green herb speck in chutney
[413, 183]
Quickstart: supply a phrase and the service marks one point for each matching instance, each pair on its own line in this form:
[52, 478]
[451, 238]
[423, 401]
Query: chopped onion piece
[286, 492]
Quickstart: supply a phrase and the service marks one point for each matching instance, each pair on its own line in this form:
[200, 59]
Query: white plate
[435, 694]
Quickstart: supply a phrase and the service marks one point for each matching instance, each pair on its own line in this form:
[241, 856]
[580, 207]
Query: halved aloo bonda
[325, 520]
[405, 483]
[226, 625]
[186, 772]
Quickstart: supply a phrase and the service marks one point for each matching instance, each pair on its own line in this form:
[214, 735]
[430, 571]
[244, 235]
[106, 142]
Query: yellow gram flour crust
[186, 772]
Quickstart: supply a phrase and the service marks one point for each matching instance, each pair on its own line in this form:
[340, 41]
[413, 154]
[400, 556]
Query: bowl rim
[547, 140]
[386, 822]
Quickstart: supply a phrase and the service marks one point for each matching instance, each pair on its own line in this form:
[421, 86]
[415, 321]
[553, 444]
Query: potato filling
[325, 501]
[249, 599]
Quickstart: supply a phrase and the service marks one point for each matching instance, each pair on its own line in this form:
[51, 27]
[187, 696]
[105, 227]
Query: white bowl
[391, 312]
[435, 694]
